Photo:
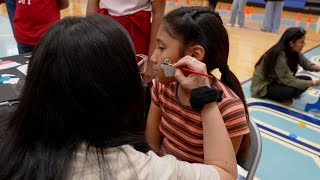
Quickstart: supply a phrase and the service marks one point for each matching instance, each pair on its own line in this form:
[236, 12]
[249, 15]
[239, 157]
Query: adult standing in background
[237, 7]
[272, 16]
[134, 16]
[213, 3]
[32, 18]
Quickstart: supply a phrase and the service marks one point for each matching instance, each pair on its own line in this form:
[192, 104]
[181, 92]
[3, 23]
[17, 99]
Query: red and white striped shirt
[181, 125]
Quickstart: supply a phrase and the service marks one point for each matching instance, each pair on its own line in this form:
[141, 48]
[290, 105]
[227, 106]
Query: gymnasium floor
[291, 136]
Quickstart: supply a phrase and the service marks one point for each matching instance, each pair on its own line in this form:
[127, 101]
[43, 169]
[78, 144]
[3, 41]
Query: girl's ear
[196, 51]
[291, 44]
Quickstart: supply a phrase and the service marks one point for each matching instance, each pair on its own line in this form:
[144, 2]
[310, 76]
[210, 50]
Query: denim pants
[272, 16]
[11, 8]
[24, 48]
[238, 7]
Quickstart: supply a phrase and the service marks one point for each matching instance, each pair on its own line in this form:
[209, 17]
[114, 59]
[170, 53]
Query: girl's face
[167, 51]
[298, 45]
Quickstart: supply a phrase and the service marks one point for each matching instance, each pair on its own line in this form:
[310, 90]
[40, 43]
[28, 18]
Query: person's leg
[23, 48]
[304, 77]
[268, 17]
[11, 8]
[276, 20]
[235, 5]
[281, 92]
[242, 4]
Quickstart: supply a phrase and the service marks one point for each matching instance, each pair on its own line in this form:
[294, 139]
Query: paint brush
[192, 71]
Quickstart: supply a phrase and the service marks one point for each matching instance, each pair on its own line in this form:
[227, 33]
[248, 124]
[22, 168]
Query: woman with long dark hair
[275, 72]
[81, 113]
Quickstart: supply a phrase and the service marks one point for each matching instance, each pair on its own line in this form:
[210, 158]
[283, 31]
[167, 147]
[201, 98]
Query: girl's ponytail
[229, 79]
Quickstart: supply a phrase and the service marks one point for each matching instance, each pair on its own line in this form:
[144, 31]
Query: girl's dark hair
[203, 26]
[270, 57]
[83, 87]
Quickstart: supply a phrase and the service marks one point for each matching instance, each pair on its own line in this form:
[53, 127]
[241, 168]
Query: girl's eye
[160, 49]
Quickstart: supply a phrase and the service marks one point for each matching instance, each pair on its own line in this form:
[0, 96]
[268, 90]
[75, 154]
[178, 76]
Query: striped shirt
[181, 125]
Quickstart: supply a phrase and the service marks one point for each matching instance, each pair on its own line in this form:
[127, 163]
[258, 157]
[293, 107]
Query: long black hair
[283, 45]
[83, 87]
[203, 26]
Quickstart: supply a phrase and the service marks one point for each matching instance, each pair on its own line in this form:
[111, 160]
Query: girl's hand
[314, 68]
[191, 81]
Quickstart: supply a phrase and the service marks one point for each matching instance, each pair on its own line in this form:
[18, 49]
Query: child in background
[134, 16]
[237, 7]
[275, 72]
[32, 18]
[174, 126]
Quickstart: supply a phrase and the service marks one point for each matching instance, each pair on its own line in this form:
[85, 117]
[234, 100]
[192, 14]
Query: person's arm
[63, 4]
[285, 75]
[218, 150]
[153, 134]
[92, 7]
[314, 68]
[307, 65]
[158, 7]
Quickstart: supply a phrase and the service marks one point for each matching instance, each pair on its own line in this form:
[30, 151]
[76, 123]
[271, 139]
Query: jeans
[24, 48]
[11, 8]
[280, 92]
[238, 6]
[272, 16]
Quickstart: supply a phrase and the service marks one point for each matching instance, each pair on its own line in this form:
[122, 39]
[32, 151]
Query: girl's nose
[154, 57]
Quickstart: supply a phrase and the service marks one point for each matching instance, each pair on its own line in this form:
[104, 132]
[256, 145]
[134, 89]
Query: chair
[251, 161]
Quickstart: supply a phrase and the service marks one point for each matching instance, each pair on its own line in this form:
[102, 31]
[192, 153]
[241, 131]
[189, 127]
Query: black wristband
[204, 95]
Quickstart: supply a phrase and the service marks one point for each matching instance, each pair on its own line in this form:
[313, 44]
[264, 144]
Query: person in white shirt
[81, 115]
[135, 17]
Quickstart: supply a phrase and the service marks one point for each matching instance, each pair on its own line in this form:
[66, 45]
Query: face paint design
[167, 69]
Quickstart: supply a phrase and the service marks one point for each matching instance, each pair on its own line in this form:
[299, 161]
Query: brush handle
[195, 72]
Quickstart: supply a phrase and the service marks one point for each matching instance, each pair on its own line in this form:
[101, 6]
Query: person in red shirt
[32, 18]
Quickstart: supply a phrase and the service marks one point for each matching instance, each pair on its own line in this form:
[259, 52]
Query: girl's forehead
[165, 37]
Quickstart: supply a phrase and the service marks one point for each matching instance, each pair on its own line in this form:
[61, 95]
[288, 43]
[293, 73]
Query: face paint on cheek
[167, 69]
